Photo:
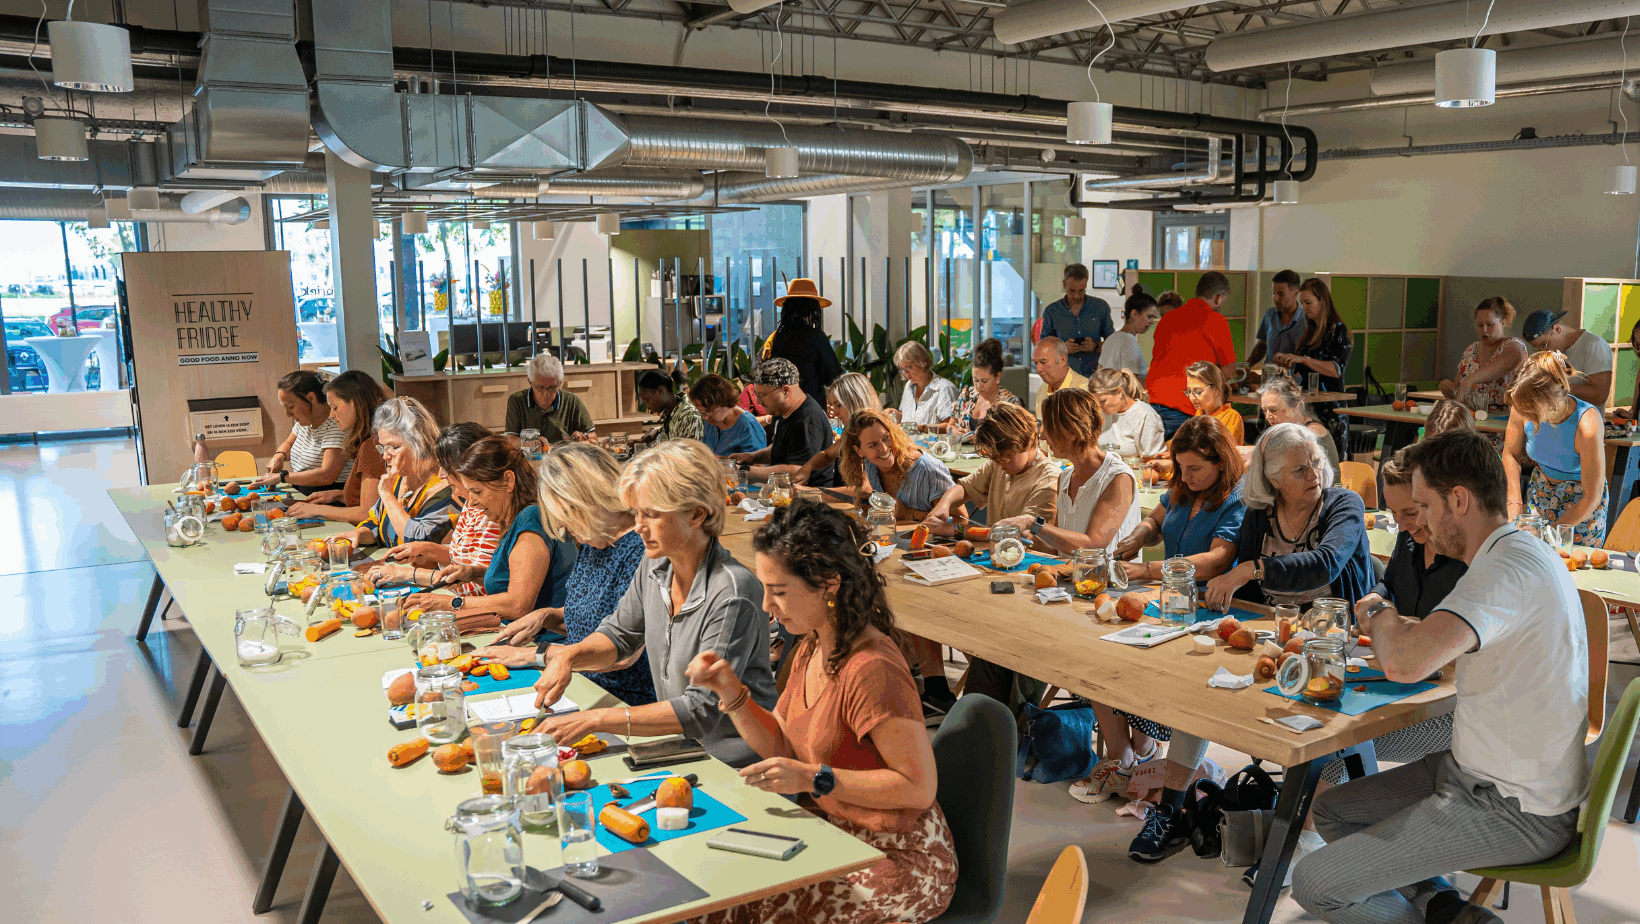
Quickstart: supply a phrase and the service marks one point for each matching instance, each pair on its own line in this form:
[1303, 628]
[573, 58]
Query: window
[1192, 241]
[59, 277]
[310, 280]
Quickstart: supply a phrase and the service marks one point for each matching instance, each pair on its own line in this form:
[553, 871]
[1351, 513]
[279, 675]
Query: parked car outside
[91, 317]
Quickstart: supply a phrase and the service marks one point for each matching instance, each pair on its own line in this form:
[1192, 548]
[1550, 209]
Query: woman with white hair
[1300, 539]
[689, 595]
[1281, 403]
[414, 503]
[928, 399]
[545, 406]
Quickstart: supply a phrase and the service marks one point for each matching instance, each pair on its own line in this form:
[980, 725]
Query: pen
[778, 837]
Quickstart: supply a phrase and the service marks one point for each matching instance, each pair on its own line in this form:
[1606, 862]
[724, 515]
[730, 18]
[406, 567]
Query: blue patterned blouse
[596, 584]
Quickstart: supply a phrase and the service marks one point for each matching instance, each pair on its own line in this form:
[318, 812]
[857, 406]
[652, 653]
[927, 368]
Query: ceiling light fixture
[1076, 226]
[778, 162]
[96, 218]
[414, 222]
[541, 230]
[322, 224]
[117, 208]
[143, 199]
[609, 223]
[1621, 178]
[90, 56]
[60, 139]
[1090, 123]
[1467, 77]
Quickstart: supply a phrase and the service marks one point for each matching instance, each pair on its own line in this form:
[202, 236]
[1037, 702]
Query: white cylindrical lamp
[1466, 77]
[1089, 123]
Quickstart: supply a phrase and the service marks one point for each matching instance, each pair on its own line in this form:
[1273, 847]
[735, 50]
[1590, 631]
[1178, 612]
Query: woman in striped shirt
[313, 458]
[473, 540]
[414, 503]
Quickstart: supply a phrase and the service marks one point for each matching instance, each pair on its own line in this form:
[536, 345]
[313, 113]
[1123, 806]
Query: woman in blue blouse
[1198, 519]
[729, 428]
[1565, 436]
[877, 456]
[578, 496]
[530, 566]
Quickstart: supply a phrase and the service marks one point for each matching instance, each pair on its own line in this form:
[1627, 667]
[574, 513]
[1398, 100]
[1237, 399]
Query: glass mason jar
[435, 638]
[1326, 615]
[1090, 572]
[1007, 547]
[256, 636]
[780, 492]
[441, 707]
[1531, 522]
[276, 536]
[531, 777]
[183, 529]
[489, 850]
[530, 442]
[880, 527]
[1178, 599]
[1317, 674]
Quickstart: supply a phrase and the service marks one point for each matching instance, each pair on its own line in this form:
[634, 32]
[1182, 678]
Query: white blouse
[1074, 511]
[938, 400]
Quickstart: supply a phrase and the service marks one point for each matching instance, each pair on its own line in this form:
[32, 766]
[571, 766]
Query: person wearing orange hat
[801, 338]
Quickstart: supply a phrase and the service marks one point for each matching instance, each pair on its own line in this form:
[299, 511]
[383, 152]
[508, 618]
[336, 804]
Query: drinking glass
[530, 442]
[391, 603]
[532, 777]
[1401, 394]
[576, 829]
[1315, 383]
[340, 552]
[441, 707]
[487, 753]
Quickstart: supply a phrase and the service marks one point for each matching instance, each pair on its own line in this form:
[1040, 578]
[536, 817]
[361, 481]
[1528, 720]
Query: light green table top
[323, 715]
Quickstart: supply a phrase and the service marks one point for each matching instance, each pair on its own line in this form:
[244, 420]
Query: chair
[1625, 533]
[235, 463]
[1557, 875]
[1065, 892]
[974, 751]
[1360, 478]
[1594, 622]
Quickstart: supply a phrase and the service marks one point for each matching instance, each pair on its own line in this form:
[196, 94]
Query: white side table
[108, 358]
[65, 360]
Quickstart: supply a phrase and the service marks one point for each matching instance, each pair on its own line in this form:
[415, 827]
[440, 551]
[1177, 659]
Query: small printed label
[216, 359]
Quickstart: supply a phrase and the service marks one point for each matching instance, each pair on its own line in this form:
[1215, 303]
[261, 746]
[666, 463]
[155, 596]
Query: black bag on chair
[1250, 790]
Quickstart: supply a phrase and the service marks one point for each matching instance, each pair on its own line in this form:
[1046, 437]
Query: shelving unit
[1184, 282]
[1609, 308]
[1396, 321]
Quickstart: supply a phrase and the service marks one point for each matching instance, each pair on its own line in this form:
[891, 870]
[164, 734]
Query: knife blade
[648, 802]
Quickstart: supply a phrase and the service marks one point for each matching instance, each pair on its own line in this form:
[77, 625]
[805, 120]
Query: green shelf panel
[1600, 310]
[1629, 314]
[1623, 379]
[1384, 356]
[1156, 283]
[1386, 297]
[1238, 335]
[1349, 294]
[1423, 302]
[1185, 283]
[1352, 372]
[1236, 305]
[1418, 349]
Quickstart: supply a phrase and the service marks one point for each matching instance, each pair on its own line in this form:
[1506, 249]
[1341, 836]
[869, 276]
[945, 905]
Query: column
[889, 242]
[353, 266]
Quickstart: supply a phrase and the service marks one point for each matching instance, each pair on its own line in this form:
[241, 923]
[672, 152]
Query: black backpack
[1250, 789]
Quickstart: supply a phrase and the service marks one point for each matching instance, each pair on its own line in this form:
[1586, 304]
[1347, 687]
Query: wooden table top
[1492, 424]
[323, 715]
[1321, 397]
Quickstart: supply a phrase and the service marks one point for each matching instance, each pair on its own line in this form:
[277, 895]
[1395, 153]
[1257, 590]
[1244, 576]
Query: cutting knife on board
[648, 802]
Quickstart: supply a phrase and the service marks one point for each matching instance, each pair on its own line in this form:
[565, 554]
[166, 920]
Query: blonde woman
[928, 399]
[578, 494]
[414, 503]
[1132, 427]
[851, 392]
[689, 595]
[1565, 436]
[1210, 396]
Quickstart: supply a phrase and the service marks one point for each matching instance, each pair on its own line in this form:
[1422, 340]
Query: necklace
[1281, 531]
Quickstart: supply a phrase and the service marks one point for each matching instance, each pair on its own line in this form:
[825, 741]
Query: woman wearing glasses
[1204, 386]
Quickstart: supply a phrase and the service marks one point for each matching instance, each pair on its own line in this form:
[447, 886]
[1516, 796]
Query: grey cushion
[974, 752]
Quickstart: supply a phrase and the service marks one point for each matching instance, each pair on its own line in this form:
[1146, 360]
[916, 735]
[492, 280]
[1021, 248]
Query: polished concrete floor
[104, 816]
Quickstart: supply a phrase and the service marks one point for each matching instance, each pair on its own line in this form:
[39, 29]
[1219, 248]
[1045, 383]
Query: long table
[322, 713]
[1062, 645]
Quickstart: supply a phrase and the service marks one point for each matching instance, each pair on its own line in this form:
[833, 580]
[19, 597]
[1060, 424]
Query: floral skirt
[1554, 498]
[912, 884]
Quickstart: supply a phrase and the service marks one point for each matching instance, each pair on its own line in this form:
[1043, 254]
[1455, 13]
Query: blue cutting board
[1203, 614]
[983, 560]
[707, 815]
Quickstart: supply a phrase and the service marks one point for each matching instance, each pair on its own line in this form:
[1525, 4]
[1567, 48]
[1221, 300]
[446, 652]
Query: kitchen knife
[572, 891]
[648, 802]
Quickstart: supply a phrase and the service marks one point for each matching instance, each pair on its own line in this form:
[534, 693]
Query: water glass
[1289, 613]
[1315, 383]
[340, 552]
[391, 604]
[530, 442]
[1401, 394]
[577, 828]
[487, 753]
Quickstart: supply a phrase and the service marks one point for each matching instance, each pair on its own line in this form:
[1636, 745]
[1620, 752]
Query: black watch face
[456, 602]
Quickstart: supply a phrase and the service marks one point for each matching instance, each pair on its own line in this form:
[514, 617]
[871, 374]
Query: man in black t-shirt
[801, 428]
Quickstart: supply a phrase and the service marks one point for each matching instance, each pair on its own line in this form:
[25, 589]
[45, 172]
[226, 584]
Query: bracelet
[628, 720]
[737, 702]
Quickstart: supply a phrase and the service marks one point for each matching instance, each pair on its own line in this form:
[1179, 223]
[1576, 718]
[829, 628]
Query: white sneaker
[1108, 779]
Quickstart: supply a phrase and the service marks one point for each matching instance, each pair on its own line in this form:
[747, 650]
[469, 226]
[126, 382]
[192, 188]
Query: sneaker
[1308, 842]
[1108, 779]
[1163, 829]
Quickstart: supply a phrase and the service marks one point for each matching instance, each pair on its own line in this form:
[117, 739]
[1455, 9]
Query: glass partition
[954, 253]
[62, 277]
[1003, 270]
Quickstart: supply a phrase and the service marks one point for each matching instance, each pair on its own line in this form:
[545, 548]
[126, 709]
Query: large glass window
[754, 254]
[954, 251]
[310, 276]
[464, 275]
[1003, 271]
[1192, 242]
[62, 277]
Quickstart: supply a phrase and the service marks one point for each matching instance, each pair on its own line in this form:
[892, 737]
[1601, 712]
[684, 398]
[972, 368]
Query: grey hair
[1288, 392]
[1258, 491]
[776, 373]
[544, 366]
[410, 421]
[1055, 344]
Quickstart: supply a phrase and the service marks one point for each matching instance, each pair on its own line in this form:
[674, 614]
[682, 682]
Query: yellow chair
[235, 463]
[1625, 533]
[1065, 892]
[1360, 478]
[1594, 622]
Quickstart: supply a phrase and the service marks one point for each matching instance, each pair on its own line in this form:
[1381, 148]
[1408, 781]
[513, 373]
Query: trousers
[1390, 833]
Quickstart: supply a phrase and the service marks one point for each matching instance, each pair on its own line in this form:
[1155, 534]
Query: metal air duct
[1041, 18]
[1211, 171]
[1376, 30]
[628, 181]
[743, 187]
[78, 205]
[658, 141]
[1575, 58]
[1536, 88]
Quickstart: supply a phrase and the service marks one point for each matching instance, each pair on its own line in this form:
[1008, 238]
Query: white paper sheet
[513, 706]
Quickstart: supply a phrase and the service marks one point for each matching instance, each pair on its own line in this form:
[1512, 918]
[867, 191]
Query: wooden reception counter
[609, 391]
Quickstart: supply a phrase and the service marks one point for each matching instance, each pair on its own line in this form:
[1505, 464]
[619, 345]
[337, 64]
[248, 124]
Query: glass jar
[1090, 572]
[530, 442]
[880, 527]
[531, 777]
[1317, 674]
[1533, 523]
[391, 604]
[1007, 547]
[943, 450]
[183, 529]
[256, 636]
[489, 850]
[441, 707]
[276, 536]
[435, 639]
[1178, 598]
[1328, 616]
[780, 492]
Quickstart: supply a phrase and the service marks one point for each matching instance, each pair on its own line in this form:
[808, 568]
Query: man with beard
[1509, 789]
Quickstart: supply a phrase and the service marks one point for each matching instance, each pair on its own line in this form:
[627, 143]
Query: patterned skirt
[912, 884]
[1554, 498]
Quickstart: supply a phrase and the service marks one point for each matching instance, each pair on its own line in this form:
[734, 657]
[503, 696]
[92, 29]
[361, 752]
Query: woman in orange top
[848, 729]
[1204, 386]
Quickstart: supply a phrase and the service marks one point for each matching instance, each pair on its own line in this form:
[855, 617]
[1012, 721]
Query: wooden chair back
[1595, 621]
[235, 463]
[1065, 892]
[1360, 478]
[1625, 533]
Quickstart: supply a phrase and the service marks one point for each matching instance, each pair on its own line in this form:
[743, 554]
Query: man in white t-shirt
[1509, 790]
[1589, 355]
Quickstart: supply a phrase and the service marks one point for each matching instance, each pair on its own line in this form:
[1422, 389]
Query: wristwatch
[1036, 527]
[457, 603]
[1375, 609]
[1258, 569]
[824, 781]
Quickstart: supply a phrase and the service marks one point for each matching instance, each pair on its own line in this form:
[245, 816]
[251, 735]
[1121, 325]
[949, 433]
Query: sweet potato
[963, 548]
[577, 775]
[1244, 639]
[977, 534]
[463, 663]
[247, 525]
[402, 691]
[480, 670]
[1228, 627]
[675, 792]
[402, 755]
[1266, 669]
[623, 824]
[230, 522]
[540, 780]
[323, 629]
[1130, 607]
[919, 537]
[366, 617]
[450, 758]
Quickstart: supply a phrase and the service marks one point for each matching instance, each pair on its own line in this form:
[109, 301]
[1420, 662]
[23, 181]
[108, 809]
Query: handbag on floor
[1222, 815]
[1057, 743]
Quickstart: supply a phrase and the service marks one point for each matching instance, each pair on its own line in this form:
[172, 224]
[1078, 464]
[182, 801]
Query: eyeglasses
[387, 449]
[1197, 392]
[1297, 471]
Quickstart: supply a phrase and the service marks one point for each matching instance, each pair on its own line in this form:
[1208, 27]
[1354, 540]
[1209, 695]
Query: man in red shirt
[1193, 332]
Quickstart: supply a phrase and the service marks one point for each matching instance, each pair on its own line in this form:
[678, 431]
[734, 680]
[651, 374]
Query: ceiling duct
[521, 188]
[629, 181]
[250, 114]
[1378, 30]
[77, 205]
[1022, 22]
[737, 187]
[1400, 100]
[1575, 58]
[1210, 172]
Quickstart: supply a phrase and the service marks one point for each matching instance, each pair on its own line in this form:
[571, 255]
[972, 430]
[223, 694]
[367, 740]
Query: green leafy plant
[441, 360]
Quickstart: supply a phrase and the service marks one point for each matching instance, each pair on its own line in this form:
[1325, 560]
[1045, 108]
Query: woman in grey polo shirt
[689, 595]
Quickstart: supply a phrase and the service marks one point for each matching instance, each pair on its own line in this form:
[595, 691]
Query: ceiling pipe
[205, 199]
[1380, 30]
[1575, 58]
[1210, 173]
[657, 184]
[1022, 22]
[1538, 88]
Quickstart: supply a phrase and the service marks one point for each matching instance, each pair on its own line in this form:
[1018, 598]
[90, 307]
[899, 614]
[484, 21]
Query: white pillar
[889, 245]
[353, 266]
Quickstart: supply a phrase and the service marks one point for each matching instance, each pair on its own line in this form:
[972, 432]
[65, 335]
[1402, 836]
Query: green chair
[974, 751]
[1557, 875]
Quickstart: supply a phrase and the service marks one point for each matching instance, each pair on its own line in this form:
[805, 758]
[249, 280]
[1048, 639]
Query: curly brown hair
[816, 543]
[1205, 437]
[852, 466]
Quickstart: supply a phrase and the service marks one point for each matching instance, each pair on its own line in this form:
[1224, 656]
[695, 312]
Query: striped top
[921, 487]
[307, 451]
[432, 511]
[473, 542]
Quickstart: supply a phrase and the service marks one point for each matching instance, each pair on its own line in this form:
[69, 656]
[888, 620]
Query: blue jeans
[1172, 419]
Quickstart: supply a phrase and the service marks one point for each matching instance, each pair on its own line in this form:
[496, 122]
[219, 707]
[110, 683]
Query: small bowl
[1425, 408]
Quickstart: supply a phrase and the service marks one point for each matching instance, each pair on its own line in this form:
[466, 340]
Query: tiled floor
[104, 816]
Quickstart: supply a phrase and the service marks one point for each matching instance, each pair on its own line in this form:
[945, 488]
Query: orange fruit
[247, 525]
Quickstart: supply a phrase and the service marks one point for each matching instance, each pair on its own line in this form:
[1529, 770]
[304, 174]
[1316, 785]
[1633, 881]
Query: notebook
[512, 707]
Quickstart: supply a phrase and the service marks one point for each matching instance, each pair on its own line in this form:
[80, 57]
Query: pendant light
[917, 222]
[1286, 192]
[60, 139]
[1076, 226]
[415, 222]
[117, 208]
[541, 230]
[322, 224]
[143, 199]
[90, 56]
[481, 224]
[96, 218]
[609, 223]
[1090, 123]
[1621, 178]
[1467, 77]
[780, 163]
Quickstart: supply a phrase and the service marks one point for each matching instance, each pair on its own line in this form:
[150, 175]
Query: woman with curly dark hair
[848, 727]
[877, 456]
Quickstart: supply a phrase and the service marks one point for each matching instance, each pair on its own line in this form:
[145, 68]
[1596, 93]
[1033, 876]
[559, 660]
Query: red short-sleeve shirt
[1192, 332]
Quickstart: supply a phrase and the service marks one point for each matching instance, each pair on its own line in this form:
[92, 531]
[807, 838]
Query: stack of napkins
[1225, 680]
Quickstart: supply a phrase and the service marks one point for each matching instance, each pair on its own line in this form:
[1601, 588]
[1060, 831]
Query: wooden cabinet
[609, 391]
